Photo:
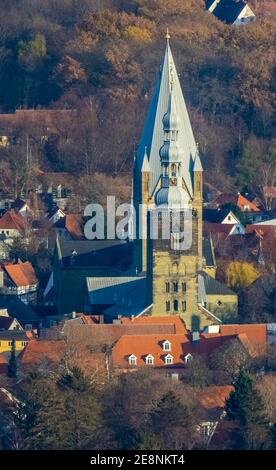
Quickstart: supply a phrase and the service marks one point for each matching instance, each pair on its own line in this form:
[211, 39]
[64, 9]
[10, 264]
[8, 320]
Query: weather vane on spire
[168, 36]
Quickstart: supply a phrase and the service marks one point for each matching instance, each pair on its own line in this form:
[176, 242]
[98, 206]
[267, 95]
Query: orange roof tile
[53, 352]
[242, 201]
[142, 345]
[215, 396]
[73, 225]
[255, 332]
[21, 274]
[253, 337]
[12, 221]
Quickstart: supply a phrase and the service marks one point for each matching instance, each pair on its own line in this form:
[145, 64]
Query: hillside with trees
[100, 58]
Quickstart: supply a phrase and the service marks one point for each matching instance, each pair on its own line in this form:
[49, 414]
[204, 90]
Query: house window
[10, 344]
[184, 306]
[23, 343]
[175, 286]
[132, 360]
[167, 287]
[175, 305]
[184, 286]
[168, 359]
[198, 186]
[149, 360]
[229, 217]
[166, 346]
[168, 306]
[188, 358]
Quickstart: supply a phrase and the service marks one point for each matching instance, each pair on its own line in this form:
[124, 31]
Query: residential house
[236, 12]
[20, 280]
[212, 409]
[173, 351]
[8, 323]
[24, 313]
[12, 225]
[69, 227]
[7, 337]
[22, 208]
[236, 199]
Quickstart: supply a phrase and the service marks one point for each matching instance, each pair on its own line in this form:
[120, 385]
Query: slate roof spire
[153, 133]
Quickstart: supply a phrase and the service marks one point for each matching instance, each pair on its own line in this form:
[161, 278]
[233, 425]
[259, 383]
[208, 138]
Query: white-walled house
[231, 11]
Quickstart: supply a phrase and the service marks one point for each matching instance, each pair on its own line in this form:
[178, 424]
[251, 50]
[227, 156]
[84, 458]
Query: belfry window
[173, 170]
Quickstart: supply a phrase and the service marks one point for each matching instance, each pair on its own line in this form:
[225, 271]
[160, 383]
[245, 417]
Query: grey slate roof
[153, 134]
[207, 252]
[17, 309]
[90, 253]
[228, 10]
[212, 286]
[13, 334]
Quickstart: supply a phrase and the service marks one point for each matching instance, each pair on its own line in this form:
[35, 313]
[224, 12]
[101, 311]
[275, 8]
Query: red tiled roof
[21, 274]
[170, 319]
[12, 221]
[261, 229]
[256, 333]
[215, 396]
[142, 345]
[253, 337]
[238, 199]
[73, 225]
[53, 352]
[222, 230]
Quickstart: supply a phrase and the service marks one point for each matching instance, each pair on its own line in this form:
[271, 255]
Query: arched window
[175, 268]
[184, 306]
[184, 286]
[168, 287]
[175, 305]
[168, 306]
[173, 169]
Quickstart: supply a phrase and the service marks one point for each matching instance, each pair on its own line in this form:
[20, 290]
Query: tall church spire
[153, 133]
[171, 194]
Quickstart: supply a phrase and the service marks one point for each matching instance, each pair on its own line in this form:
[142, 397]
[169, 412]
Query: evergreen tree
[245, 406]
[173, 422]
[12, 366]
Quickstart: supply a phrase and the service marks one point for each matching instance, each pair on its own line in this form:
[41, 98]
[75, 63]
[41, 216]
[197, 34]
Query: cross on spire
[168, 36]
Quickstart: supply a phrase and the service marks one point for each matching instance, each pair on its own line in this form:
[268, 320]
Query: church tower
[167, 180]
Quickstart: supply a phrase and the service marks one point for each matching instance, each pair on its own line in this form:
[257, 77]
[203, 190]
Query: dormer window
[167, 345]
[149, 359]
[168, 359]
[132, 360]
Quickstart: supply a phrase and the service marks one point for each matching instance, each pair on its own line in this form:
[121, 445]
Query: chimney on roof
[74, 315]
[132, 317]
[101, 319]
[195, 336]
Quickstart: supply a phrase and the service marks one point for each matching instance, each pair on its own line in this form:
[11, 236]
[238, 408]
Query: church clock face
[173, 181]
